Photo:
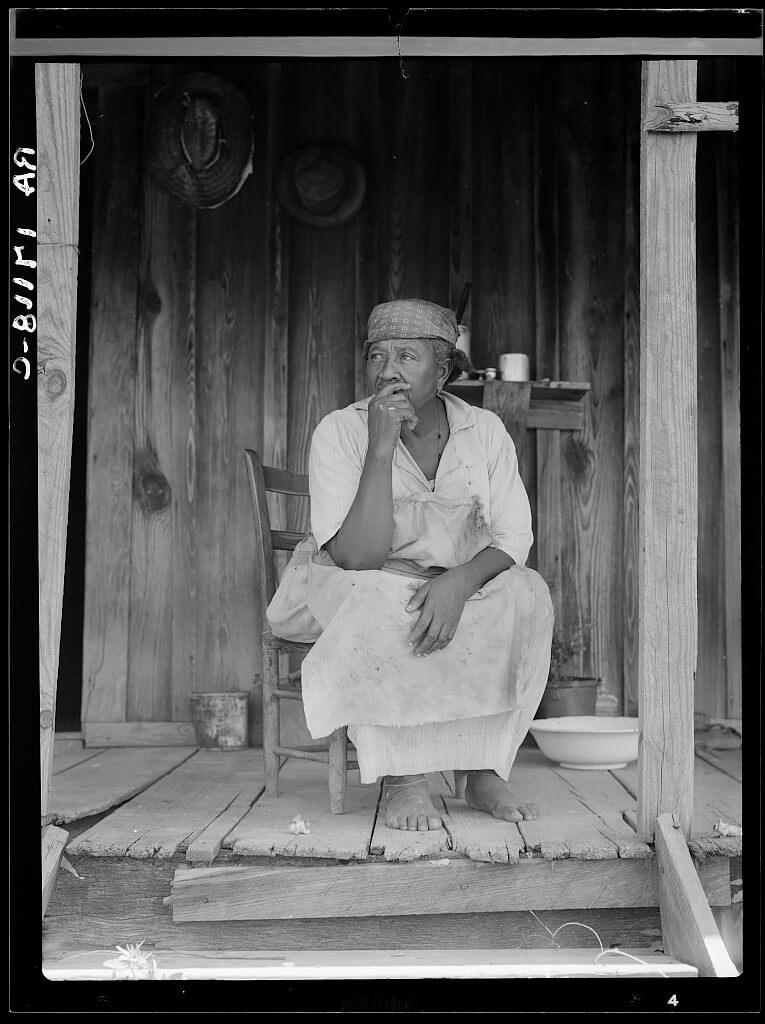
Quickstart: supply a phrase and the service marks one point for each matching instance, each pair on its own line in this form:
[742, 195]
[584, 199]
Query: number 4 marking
[672, 1001]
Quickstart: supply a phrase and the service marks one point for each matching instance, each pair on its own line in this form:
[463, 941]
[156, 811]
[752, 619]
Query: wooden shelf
[554, 404]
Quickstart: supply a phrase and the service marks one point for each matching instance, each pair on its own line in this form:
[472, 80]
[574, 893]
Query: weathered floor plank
[133, 891]
[727, 761]
[717, 798]
[270, 892]
[66, 756]
[208, 844]
[214, 802]
[480, 837]
[113, 777]
[178, 808]
[602, 796]
[303, 789]
[566, 827]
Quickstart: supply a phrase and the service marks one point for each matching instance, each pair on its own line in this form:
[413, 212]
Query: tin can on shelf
[490, 373]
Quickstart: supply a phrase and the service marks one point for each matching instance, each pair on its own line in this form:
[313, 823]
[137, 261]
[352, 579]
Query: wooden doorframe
[57, 101]
[666, 757]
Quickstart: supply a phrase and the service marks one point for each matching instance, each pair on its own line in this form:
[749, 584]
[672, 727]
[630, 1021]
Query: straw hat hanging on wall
[199, 140]
[322, 184]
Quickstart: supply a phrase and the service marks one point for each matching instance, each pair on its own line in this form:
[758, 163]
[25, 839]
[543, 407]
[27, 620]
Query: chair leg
[338, 770]
[460, 782]
[271, 720]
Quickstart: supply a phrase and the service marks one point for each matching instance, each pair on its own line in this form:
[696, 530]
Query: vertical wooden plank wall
[230, 312]
[276, 314]
[727, 233]
[363, 121]
[414, 175]
[503, 245]
[162, 572]
[631, 547]
[116, 242]
[710, 674]
[547, 326]
[461, 144]
[579, 199]
[57, 100]
[668, 515]
[322, 364]
[519, 176]
[591, 283]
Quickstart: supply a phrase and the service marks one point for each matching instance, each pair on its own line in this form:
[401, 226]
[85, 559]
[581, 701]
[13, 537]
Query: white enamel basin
[587, 741]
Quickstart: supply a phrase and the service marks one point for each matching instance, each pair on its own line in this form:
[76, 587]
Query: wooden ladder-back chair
[263, 480]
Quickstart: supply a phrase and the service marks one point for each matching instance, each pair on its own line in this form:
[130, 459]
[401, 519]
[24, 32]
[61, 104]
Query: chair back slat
[283, 540]
[283, 482]
[262, 480]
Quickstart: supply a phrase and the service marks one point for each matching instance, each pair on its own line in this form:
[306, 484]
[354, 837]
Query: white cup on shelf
[514, 366]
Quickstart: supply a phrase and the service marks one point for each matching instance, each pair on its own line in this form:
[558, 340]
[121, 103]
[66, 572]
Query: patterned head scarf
[411, 318]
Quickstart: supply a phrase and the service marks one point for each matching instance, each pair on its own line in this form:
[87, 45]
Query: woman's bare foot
[485, 791]
[408, 804]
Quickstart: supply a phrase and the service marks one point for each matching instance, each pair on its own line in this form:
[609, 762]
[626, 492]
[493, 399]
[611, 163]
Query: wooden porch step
[363, 964]
[442, 886]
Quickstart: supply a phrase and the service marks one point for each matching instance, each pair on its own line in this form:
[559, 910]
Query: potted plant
[567, 693]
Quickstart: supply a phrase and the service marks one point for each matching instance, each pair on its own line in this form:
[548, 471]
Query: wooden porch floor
[182, 849]
[209, 806]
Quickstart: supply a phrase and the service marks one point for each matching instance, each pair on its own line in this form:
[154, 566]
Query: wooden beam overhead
[383, 46]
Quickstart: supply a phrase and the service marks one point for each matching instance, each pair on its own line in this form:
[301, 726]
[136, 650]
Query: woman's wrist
[380, 457]
[465, 578]
[482, 568]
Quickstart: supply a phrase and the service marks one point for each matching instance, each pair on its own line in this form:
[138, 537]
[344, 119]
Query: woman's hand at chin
[440, 602]
[388, 411]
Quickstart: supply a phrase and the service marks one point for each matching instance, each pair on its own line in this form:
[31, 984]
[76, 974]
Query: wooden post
[668, 498]
[57, 91]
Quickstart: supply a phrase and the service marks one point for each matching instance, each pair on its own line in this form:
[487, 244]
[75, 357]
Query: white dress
[477, 500]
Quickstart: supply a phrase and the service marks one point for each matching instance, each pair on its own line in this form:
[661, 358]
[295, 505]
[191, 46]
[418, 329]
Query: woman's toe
[422, 823]
[529, 811]
[510, 813]
[434, 822]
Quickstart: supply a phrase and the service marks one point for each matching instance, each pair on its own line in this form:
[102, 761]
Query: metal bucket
[220, 719]
[569, 697]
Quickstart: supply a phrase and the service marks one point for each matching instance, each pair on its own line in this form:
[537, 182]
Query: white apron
[362, 673]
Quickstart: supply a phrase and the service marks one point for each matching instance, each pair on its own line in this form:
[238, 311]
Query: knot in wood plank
[151, 488]
[55, 383]
[580, 460]
[150, 299]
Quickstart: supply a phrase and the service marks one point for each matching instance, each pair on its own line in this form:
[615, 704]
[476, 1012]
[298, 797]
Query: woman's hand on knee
[440, 603]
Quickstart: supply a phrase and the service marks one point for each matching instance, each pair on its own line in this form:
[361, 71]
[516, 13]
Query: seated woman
[433, 640]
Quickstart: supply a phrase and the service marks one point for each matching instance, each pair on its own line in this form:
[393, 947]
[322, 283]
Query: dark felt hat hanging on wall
[322, 184]
[199, 140]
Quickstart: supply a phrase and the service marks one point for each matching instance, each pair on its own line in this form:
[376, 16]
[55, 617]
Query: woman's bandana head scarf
[411, 318]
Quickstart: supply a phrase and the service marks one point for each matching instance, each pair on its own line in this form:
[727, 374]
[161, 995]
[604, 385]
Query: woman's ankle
[402, 780]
